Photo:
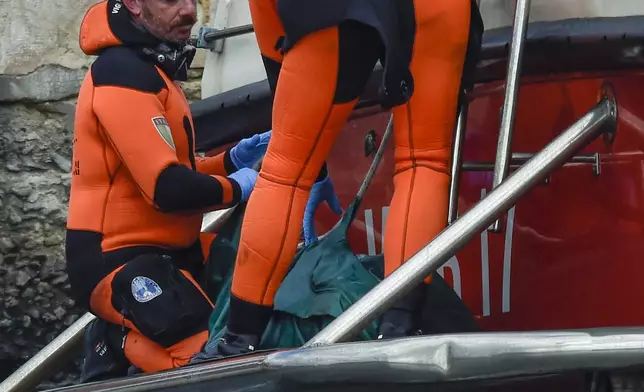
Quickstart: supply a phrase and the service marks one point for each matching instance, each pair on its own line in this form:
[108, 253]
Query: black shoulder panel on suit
[121, 66]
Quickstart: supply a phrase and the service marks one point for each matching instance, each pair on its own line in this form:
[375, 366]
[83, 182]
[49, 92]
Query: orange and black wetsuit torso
[136, 183]
[138, 193]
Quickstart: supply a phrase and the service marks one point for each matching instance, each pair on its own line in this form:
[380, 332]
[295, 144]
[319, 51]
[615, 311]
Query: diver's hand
[248, 151]
[321, 192]
[246, 179]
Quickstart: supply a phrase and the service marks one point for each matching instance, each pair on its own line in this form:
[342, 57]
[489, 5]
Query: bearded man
[138, 192]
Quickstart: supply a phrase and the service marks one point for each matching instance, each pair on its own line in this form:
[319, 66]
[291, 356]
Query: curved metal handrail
[425, 360]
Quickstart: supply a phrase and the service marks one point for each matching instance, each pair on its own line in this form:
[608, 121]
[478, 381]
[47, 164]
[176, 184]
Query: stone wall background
[41, 68]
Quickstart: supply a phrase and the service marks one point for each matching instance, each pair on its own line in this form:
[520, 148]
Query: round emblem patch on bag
[145, 289]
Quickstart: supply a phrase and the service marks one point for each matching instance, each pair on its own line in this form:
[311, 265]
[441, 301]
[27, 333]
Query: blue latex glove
[246, 179]
[248, 151]
[321, 192]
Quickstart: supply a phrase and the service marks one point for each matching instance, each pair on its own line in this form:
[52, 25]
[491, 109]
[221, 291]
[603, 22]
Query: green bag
[324, 280]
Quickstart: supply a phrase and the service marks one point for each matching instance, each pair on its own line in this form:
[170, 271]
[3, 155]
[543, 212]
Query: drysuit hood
[109, 23]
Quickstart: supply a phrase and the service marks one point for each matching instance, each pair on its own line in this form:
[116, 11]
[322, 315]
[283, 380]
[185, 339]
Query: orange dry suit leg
[423, 129]
[270, 35]
[161, 308]
[320, 80]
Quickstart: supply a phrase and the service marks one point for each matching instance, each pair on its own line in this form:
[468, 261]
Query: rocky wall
[41, 68]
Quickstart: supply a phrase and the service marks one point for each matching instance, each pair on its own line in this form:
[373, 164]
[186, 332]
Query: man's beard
[157, 28]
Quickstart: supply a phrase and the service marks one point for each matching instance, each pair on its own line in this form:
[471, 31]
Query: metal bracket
[610, 126]
[213, 39]
[518, 159]
[203, 41]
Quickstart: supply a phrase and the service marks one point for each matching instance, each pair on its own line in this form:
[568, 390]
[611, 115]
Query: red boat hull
[571, 256]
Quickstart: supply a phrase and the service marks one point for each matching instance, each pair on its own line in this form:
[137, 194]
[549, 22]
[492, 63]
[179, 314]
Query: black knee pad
[103, 349]
[159, 300]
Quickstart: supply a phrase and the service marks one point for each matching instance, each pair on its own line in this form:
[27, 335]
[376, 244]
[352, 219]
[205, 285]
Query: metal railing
[508, 113]
[457, 159]
[520, 158]
[48, 360]
[464, 357]
[410, 364]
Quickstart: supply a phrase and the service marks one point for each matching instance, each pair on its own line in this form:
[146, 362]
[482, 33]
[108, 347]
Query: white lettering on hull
[453, 263]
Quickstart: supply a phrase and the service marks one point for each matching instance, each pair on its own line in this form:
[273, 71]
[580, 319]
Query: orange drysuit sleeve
[219, 165]
[163, 181]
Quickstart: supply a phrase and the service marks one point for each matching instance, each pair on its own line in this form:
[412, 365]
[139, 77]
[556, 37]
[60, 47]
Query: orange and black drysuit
[324, 52]
[138, 193]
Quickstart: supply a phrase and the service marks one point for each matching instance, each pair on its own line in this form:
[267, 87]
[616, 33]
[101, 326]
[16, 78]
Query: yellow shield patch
[163, 128]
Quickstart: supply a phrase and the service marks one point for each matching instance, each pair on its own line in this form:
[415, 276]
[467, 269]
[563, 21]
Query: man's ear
[133, 6]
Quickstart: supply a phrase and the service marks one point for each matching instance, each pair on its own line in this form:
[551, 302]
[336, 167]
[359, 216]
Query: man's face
[168, 20]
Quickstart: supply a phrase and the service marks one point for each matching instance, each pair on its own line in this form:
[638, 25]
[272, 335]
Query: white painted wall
[240, 63]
